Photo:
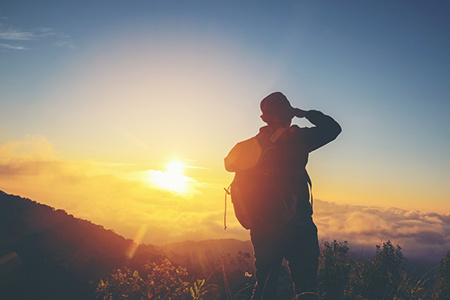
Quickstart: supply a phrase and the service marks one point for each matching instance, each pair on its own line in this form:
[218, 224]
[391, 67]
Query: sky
[97, 98]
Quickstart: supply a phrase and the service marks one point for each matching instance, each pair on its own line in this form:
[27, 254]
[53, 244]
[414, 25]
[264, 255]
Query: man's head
[276, 110]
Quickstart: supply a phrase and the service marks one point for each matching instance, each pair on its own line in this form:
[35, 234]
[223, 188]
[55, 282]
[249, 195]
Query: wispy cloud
[16, 35]
[10, 33]
[64, 44]
[12, 47]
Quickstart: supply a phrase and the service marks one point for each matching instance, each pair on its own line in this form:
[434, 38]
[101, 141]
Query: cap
[276, 107]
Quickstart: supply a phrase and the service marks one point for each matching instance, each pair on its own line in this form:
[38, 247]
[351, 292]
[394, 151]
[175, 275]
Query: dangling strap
[227, 192]
[311, 198]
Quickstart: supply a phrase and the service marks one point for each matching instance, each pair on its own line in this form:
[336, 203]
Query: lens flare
[136, 242]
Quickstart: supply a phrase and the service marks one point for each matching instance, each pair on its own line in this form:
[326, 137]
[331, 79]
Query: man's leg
[266, 280]
[303, 257]
[268, 257]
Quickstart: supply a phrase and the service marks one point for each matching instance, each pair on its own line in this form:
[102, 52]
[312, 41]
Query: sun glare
[172, 179]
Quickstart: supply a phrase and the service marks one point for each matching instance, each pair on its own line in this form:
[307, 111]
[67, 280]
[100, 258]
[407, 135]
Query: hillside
[49, 254]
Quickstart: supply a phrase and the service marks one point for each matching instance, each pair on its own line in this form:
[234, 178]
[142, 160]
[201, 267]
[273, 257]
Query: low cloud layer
[418, 233]
[115, 196]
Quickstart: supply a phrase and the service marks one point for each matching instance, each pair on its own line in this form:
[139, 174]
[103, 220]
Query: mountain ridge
[47, 253]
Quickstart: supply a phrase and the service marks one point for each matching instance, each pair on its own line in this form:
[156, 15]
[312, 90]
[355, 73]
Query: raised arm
[326, 129]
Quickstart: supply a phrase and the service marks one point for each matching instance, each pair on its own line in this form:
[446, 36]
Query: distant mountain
[49, 254]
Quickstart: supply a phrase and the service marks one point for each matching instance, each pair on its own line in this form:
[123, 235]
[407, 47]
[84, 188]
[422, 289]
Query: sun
[172, 179]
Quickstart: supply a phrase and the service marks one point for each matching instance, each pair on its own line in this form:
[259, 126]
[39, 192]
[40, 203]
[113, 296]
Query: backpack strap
[268, 142]
[276, 135]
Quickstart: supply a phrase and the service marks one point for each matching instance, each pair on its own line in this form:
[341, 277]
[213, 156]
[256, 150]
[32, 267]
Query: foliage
[442, 286]
[334, 270]
[196, 289]
[199, 290]
[165, 281]
[233, 275]
[380, 277]
[410, 289]
[122, 284]
[161, 281]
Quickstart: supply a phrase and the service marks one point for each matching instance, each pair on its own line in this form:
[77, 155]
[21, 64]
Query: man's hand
[299, 113]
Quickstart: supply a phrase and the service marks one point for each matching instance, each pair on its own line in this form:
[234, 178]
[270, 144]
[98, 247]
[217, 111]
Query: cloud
[64, 44]
[416, 232]
[7, 46]
[19, 35]
[10, 33]
[34, 147]
[16, 35]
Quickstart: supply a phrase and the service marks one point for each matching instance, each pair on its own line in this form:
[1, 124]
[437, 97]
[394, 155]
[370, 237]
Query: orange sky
[124, 197]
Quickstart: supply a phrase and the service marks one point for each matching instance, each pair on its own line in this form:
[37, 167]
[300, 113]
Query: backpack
[260, 192]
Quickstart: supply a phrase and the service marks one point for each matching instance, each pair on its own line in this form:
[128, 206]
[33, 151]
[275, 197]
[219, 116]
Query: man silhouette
[295, 237]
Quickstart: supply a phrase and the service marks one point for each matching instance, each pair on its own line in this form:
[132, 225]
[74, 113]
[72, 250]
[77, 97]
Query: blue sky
[139, 82]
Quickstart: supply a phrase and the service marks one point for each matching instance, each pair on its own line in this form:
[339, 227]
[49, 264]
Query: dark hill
[49, 254]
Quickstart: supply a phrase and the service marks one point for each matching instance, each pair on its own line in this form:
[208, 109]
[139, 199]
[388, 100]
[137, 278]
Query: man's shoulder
[295, 130]
[264, 130]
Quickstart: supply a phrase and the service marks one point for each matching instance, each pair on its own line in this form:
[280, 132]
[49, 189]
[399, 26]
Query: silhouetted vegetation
[442, 286]
[340, 277]
[49, 254]
[334, 269]
[160, 280]
[381, 277]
